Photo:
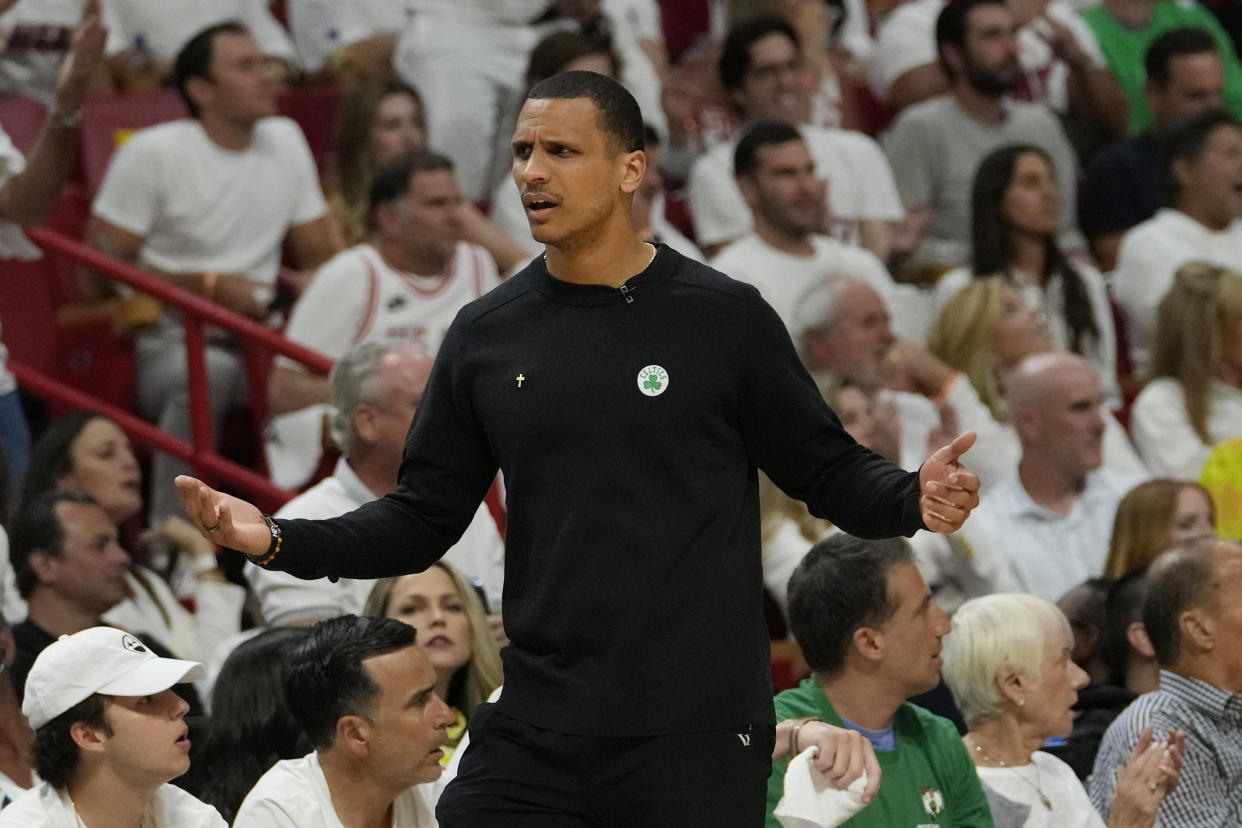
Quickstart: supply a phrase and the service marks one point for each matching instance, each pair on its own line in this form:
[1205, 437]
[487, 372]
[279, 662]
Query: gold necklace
[1037, 785]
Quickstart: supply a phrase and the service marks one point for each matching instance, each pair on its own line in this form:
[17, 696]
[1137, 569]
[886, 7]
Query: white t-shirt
[1023, 786]
[45, 807]
[1103, 356]
[907, 40]
[294, 794]
[782, 278]
[320, 27]
[1049, 553]
[36, 35]
[355, 298]
[201, 207]
[1150, 255]
[1163, 433]
[164, 27]
[860, 186]
[284, 599]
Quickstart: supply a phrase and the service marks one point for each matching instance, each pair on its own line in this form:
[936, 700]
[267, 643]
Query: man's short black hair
[735, 54]
[840, 586]
[1176, 581]
[617, 111]
[194, 59]
[1180, 42]
[1122, 607]
[951, 27]
[392, 180]
[762, 134]
[37, 527]
[1188, 140]
[326, 678]
[54, 755]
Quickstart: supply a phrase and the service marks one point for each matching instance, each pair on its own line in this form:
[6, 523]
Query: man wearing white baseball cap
[109, 735]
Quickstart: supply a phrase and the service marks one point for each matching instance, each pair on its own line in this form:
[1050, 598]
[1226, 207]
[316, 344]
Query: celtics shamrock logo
[653, 381]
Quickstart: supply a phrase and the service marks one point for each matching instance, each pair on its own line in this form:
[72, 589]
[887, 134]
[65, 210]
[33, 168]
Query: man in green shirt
[1126, 28]
[868, 627]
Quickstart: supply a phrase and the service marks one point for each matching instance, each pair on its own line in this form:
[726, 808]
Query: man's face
[1226, 612]
[1196, 84]
[150, 742]
[912, 636]
[990, 62]
[403, 377]
[1067, 424]
[776, 86]
[858, 343]
[573, 177]
[427, 219]
[239, 86]
[784, 190]
[1211, 185]
[408, 719]
[90, 570]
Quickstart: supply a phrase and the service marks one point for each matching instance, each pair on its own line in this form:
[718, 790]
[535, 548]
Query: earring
[1021, 702]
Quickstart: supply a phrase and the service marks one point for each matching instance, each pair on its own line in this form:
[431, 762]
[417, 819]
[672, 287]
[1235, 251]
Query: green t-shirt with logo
[927, 780]
[1125, 49]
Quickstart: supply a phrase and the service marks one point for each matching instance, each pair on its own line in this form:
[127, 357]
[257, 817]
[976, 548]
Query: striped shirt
[1209, 792]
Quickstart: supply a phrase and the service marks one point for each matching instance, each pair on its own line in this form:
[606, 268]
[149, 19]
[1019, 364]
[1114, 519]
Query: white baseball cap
[97, 660]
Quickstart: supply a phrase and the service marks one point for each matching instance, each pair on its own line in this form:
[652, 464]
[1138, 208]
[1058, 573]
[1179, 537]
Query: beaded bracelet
[273, 548]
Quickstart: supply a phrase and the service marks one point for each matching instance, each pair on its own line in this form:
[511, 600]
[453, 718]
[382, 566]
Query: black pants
[515, 775]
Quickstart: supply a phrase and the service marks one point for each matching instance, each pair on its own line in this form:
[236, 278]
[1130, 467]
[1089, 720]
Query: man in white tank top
[402, 287]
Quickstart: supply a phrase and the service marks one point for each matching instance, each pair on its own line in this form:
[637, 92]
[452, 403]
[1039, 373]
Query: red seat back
[110, 119]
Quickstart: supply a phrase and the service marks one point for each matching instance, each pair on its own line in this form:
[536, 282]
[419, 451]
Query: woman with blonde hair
[1194, 400]
[1008, 664]
[984, 330]
[1152, 516]
[452, 629]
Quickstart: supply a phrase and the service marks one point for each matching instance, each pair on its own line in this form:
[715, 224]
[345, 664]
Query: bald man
[1052, 517]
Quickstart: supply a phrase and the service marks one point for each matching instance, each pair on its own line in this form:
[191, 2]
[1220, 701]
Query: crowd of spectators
[1021, 218]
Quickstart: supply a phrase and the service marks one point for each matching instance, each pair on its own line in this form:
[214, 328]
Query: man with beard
[785, 253]
[935, 146]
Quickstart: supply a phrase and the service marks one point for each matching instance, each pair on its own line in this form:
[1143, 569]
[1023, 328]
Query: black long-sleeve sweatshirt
[629, 424]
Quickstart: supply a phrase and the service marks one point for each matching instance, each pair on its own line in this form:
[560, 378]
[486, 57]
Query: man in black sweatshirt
[628, 395]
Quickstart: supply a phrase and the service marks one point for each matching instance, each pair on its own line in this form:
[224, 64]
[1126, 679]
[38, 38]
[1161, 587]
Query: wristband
[273, 547]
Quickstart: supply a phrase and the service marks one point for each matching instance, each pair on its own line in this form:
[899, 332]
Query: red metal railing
[195, 313]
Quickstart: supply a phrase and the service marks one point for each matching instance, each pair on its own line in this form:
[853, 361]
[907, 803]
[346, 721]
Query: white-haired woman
[1008, 664]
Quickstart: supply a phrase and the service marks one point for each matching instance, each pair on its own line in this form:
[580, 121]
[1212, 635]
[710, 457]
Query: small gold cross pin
[520, 379]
